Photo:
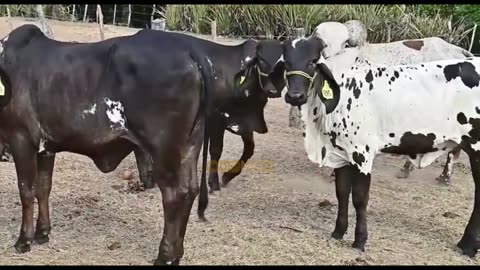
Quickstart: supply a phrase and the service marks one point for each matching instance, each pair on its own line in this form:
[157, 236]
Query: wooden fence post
[213, 25]
[295, 117]
[9, 17]
[100, 22]
[85, 14]
[389, 35]
[43, 22]
[129, 15]
[472, 40]
[114, 13]
[151, 16]
[300, 32]
[73, 13]
[158, 24]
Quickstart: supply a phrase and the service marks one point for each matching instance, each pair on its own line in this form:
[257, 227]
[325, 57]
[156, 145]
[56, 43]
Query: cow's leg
[3, 157]
[360, 196]
[248, 150]
[446, 176]
[179, 189]
[25, 158]
[343, 186]
[332, 176]
[405, 170]
[470, 241]
[217, 133]
[144, 164]
[43, 186]
[190, 165]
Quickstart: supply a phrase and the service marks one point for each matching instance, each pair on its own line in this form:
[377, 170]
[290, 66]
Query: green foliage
[173, 16]
[57, 12]
[471, 13]
[432, 10]
[384, 22]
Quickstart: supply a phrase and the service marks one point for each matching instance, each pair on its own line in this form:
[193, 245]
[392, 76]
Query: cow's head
[338, 36]
[264, 71]
[305, 74]
[5, 85]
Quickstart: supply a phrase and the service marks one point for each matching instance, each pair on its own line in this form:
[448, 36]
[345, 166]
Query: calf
[356, 110]
[245, 76]
[103, 100]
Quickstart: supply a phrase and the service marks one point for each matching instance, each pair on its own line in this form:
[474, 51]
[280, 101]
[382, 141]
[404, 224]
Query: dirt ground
[269, 217]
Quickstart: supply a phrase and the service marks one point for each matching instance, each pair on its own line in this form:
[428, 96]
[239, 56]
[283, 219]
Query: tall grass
[173, 15]
[384, 22]
[281, 20]
[57, 12]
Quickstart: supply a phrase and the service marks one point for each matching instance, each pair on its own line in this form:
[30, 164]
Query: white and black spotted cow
[338, 36]
[356, 110]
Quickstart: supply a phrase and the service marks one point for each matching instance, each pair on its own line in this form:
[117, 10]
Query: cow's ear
[278, 76]
[326, 87]
[244, 80]
[5, 88]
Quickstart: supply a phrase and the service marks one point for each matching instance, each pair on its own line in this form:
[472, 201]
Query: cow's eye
[313, 62]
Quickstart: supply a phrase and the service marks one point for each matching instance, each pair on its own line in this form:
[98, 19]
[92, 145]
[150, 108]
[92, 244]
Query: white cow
[338, 36]
[356, 109]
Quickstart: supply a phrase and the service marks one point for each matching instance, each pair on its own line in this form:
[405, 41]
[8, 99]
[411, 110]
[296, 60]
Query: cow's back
[407, 52]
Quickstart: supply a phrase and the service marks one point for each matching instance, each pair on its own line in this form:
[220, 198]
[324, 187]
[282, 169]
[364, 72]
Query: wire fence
[134, 16]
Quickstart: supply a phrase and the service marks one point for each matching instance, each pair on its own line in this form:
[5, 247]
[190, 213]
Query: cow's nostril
[296, 98]
[295, 95]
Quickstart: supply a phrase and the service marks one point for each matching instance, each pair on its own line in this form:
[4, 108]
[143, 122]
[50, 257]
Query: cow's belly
[106, 154]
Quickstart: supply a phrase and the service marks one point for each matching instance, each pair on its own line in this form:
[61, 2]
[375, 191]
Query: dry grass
[259, 219]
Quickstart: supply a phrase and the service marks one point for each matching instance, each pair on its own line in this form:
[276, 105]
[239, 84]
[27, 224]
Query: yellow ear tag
[327, 92]
[242, 78]
[2, 89]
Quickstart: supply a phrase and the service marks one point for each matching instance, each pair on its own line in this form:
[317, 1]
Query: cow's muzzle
[296, 98]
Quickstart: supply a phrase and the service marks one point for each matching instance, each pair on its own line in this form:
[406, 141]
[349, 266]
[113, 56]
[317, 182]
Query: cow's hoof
[337, 235]
[212, 189]
[360, 245]
[163, 262]
[469, 248]
[214, 185]
[227, 177]
[41, 238]
[402, 174]
[22, 246]
[148, 185]
[443, 179]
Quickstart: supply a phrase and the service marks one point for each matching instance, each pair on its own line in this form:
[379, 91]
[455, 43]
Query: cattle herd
[166, 95]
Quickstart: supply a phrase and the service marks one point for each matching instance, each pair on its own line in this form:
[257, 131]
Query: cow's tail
[207, 89]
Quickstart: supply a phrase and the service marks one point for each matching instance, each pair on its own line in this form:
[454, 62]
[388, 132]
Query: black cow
[103, 100]
[239, 102]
